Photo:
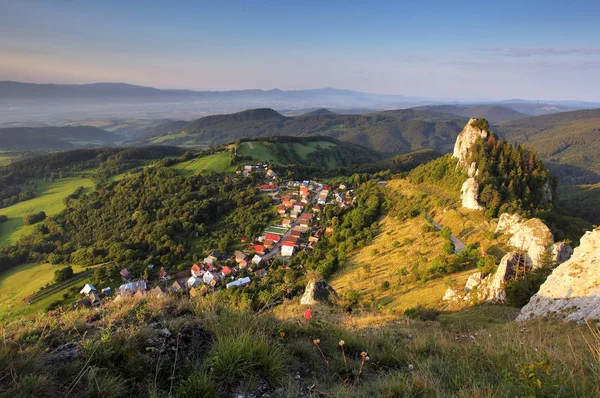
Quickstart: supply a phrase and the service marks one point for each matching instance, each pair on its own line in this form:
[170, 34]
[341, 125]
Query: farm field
[49, 198]
[24, 280]
[217, 162]
[258, 151]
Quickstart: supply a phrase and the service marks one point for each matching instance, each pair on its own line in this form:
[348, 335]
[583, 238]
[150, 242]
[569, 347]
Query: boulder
[470, 193]
[467, 137]
[531, 236]
[509, 223]
[572, 291]
[318, 292]
[473, 281]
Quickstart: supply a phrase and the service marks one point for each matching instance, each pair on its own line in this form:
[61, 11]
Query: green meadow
[217, 162]
[49, 198]
[22, 281]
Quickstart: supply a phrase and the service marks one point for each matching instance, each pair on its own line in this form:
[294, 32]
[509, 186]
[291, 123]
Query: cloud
[542, 51]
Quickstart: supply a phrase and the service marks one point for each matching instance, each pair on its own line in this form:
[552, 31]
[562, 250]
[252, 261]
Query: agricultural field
[22, 281]
[258, 151]
[49, 198]
[7, 158]
[217, 162]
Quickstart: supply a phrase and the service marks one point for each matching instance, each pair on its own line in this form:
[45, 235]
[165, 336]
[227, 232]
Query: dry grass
[401, 245]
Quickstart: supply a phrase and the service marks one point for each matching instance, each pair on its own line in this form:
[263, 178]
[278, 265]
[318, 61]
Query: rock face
[317, 292]
[572, 291]
[488, 289]
[470, 193]
[531, 236]
[466, 139]
[561, 252]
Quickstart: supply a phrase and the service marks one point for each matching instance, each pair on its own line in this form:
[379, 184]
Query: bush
[487, 264]
[422, 313]
[63, 274]
[520, 291]
[448, 247]
[446, 232]
[3, 218]
[385, 285]
[34, 218]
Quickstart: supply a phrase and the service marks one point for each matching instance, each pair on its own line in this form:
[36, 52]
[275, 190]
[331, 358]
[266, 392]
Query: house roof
[226, 270]
[258, 248]
[87, 289]
[288, 243]
[295, 233]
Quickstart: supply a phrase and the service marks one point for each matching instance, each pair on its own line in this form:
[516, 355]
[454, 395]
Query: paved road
[458, 244]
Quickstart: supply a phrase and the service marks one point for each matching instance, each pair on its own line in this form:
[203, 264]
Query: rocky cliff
[467, 137]
[572, 291]
[465, 140]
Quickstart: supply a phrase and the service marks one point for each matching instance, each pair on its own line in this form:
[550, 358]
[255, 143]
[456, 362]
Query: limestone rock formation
[470, 193]
[465, 140]
[318, 292]
[572, 291]
[489, 288]
[531, 236]
[561, 252]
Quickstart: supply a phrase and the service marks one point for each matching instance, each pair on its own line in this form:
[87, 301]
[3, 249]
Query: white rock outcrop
[467, 137]
[572, 291]
[531, 236]
[488, 289]
[318, 291]
[470, 194]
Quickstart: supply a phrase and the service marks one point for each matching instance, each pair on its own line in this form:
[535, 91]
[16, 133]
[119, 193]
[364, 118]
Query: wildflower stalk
[316, 342]
[362, 364]
[345, 361]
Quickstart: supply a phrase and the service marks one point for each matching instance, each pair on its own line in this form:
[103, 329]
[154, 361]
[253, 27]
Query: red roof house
[273, 237]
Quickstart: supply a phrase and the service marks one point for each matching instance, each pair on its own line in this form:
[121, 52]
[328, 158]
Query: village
[298, 205]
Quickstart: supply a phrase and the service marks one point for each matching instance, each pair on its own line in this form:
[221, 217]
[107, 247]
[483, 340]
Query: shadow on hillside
[573, 175]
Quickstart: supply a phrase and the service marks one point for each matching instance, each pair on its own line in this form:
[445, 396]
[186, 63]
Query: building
[274, 237]
[261, 273]
[239, 282]
[286, 223]
[226, 271]
[126, 275]
[178, 286]
[196, 271]
[258, 249]
[257, 260]
[192, 281]
[163, 275]
[130, 288]
[239, 256]
[210, 278]
[87, 289]
[287, 249]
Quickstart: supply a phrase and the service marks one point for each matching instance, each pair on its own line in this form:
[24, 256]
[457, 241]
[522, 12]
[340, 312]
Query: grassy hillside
[407, 250]
[386, 132]
[22, 281]
[493, 113]
[211, 347]
[49, 199]
[218, 163]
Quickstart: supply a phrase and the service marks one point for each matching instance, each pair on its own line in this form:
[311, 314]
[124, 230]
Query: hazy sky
[441, 49]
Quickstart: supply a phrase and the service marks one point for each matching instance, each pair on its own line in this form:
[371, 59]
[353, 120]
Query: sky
[468, 50]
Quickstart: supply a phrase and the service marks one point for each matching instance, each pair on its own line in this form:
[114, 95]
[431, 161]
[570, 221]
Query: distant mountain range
[64, 103]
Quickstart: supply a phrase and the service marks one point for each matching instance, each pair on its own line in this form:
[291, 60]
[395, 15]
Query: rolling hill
[390, 133]
[493, 113]
[55, 138]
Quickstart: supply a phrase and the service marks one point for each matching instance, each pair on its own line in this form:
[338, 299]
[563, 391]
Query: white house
[194, 281]
[210, 278]
[287, 249]
[132, 287]
[87, 289]
[257, 259]
[239, 282]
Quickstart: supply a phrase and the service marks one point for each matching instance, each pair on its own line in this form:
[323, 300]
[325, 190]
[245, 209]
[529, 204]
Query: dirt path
[250, 145]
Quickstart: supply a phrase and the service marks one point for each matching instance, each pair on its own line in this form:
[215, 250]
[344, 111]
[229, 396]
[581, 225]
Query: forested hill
[568, 142]
[389, 133]
[493, 113]
[55, 138]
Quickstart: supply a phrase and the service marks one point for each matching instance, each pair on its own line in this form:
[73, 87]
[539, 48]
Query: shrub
[487, 264]
[446, 232]
[385, 285]
[448, 247]
[34, 218]
[422, 313]
[63, 274]
[3, 218]
[520, 291]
